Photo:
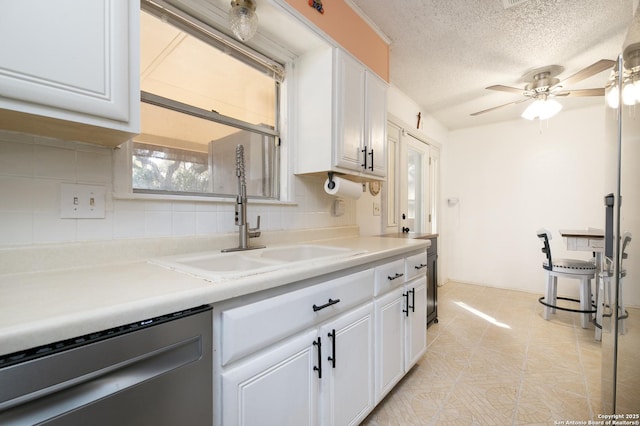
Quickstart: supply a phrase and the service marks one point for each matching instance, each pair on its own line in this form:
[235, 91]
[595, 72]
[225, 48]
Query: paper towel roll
[343, 188]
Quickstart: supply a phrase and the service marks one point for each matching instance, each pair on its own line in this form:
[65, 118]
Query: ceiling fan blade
[582, 92]
[500, 106]
[593, 69]
[502, 88]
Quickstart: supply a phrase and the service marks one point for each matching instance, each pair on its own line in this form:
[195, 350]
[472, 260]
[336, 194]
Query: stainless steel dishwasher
[152, 372]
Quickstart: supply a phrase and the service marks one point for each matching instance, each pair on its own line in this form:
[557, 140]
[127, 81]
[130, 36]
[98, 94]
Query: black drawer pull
[406, 296]
[422, 265]
[332, 358]
[413, 300]
[326, 305]
[390, 278]
[318, 368]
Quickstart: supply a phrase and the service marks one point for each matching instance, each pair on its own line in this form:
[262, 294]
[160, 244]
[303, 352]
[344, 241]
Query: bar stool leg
[600, 306]
[585, 301]
[550, 296]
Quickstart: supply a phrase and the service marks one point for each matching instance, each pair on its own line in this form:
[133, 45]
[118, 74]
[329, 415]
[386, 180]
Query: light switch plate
[82, 201]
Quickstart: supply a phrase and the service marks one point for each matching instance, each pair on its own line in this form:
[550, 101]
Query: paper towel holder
[331, 183]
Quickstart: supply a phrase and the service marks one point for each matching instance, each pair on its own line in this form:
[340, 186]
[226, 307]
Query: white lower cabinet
[390, 323]
[346, 387]
[322, 354]
[416, 330]
[277, 387]
[401, 322]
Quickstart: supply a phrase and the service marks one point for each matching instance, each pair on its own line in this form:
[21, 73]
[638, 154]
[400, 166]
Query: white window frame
[122, 182]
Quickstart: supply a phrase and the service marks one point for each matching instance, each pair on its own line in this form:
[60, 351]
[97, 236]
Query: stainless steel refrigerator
[621, 328]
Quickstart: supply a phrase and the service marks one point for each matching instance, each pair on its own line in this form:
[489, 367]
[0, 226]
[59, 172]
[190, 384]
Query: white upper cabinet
[341, 116]
[70, 69]
[376, 123]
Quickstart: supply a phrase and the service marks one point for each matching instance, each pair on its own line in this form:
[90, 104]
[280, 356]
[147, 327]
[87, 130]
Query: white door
[390, 341]
[414, 186]
[348, 370]
[278, 387]
[416, 320]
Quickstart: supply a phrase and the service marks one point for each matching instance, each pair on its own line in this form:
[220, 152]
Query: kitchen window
[202, 94]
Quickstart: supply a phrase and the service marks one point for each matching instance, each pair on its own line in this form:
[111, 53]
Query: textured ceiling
[443, 53]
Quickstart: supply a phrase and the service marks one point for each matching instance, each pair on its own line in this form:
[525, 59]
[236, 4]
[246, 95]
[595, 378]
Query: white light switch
[82, 201]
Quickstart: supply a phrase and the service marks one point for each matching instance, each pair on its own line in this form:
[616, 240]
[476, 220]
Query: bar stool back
[604, 291]
[581, 270]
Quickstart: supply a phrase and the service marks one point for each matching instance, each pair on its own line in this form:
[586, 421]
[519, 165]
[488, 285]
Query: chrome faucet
[244, 231]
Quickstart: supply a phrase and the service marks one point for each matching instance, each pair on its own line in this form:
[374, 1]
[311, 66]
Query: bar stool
[581, 270]
[604, 292]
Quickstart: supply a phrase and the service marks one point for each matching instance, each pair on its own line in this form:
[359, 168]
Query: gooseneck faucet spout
[244, 231]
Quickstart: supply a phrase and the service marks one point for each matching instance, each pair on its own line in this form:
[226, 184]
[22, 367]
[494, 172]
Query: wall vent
[511, 3]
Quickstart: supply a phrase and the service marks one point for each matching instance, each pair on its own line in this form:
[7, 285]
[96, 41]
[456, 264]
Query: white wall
[405, 109]
[32, 169]
[512, 178]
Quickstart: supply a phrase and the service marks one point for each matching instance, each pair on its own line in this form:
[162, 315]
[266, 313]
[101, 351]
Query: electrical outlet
[82, 201]
[376, 208]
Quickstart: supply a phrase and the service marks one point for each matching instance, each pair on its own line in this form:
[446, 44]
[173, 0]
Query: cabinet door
[376, 124]
[277, 387]
[349, 110]
[70, 60]
[347, 383]
[416, 321]
[390, 341]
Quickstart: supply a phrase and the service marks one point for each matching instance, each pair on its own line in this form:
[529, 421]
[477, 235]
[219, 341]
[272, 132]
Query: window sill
[196, 198]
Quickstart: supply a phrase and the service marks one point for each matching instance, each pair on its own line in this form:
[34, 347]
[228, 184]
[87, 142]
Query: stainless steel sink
[216, 266]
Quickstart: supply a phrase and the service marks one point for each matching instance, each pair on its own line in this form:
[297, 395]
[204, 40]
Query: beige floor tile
[493, 360]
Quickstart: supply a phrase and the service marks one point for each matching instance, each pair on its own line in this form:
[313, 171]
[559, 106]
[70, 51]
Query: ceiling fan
[542, 86]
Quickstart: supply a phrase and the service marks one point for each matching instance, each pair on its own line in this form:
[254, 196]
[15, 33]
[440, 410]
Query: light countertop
[37, 308]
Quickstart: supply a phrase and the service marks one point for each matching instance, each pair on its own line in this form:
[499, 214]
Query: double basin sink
[216, 266]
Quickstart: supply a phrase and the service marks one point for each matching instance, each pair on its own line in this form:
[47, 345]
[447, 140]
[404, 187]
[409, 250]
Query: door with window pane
[415, 205]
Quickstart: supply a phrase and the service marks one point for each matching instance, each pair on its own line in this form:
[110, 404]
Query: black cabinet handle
[371, 154]
[395, 277]
[413, 299]
[364, 165]
[422, 265]
[332, 358]
[329, 303]
[318, 368]
[406, 296]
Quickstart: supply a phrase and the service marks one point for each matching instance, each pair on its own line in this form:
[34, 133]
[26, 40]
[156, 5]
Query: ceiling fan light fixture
[628, 93]
[243, 19]
[542, 109]
[612, 96]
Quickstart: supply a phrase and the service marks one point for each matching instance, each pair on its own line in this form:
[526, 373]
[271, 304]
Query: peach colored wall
[346, 27]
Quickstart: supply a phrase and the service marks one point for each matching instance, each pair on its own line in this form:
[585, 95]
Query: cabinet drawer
[248, 328]
[416, 265]
[389, 275]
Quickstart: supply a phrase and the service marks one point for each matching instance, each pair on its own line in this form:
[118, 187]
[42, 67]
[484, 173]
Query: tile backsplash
[32, 169]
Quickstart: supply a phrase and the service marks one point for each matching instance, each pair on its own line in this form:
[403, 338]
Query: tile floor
[493, 360]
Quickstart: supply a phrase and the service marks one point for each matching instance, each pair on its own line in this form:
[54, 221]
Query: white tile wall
[32, 169]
